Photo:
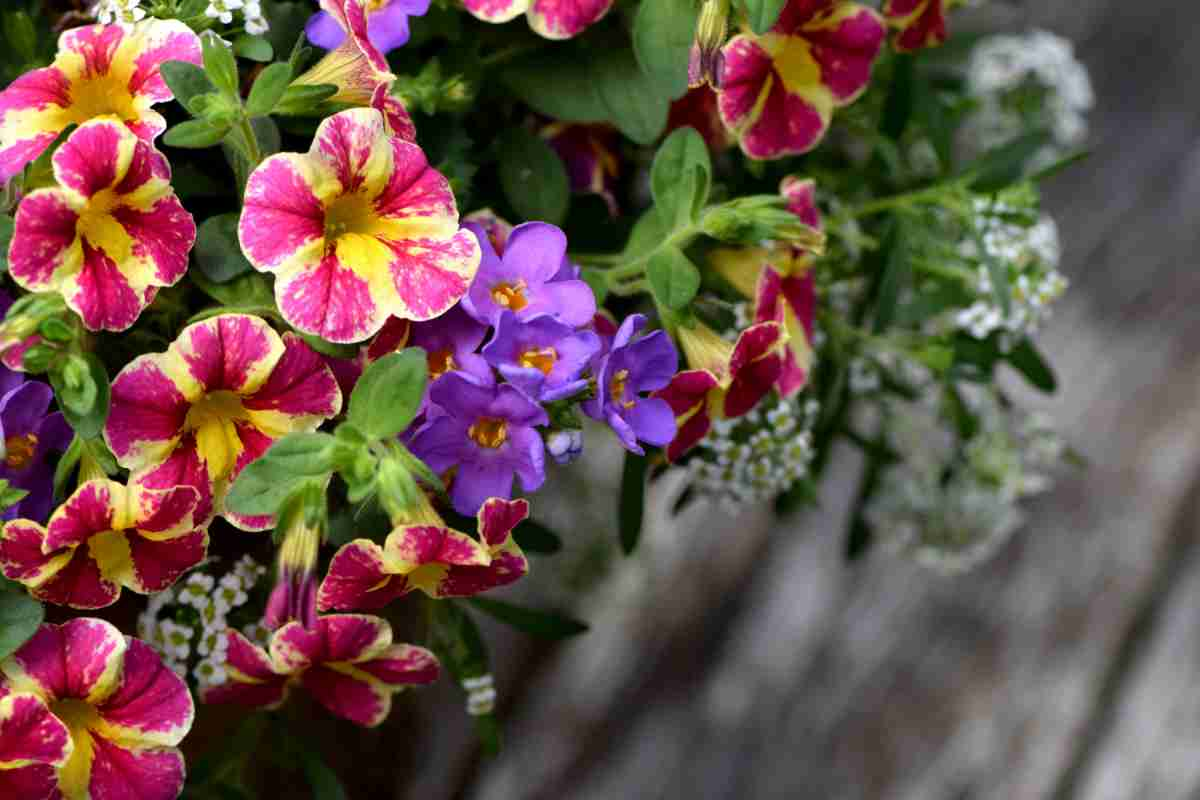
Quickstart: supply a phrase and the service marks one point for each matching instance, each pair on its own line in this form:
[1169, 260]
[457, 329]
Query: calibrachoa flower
[29, 433]
[220, 395]
[99, 70]
[542, 357]
[781, 280]
[589, 154]
[921, 23]
[88, 713]
[110, 234]
[726, 380]
[524, 279]
[358, 229]
[780, 89]
[630, 367]
[553, 19]
[347, 662]
[426, 555]
[103, 537]
[487, 434]
[387, 24]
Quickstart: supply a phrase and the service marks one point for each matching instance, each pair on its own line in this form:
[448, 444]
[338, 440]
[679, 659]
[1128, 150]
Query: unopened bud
[707, 62]
[564, 446]
[37, 359]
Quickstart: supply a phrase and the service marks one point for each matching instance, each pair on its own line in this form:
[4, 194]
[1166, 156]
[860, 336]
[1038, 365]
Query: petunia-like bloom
[525, 279]
[451, 344]
[633, 366]
[779, 89]
[358, 229]
[99, 70]
[726, 380]
[110, 234]
[387, 24]
[86, 713]
[589, 154]
[553, 19]
[781, 281]
[29, 434]
[542, 357]
[487, 434]
[347, 662]
[104, 537]
[357, 67]
[921, 23]
[427, 555]
[220, 395]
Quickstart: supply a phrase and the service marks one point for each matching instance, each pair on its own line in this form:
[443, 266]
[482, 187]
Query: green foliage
[680, 177]
[219, 64]
[268, 89]
[662, 41]
[296, 460]
[762, 14]
[20, 616]
[674, 279]
[533, 176]
[386, 398]
[81, 385]
[218, 253]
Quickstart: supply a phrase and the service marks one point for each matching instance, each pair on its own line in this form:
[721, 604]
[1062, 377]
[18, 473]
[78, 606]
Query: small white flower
[176, 639]
[210, 673]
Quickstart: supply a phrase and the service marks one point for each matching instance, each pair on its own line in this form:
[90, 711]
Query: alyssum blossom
[86, 713]
[220, 395]
[553, 19]
[358, 229]
[99, 70]
[110, 234]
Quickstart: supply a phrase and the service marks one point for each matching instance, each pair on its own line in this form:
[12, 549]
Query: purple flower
[29, 434]
[488, 433]
[589, 154]
[523, 280]
[542, 357]
[387, 24]
[450, 343]
[631, 367]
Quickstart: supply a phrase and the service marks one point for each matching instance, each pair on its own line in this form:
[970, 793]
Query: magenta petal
[124, 772]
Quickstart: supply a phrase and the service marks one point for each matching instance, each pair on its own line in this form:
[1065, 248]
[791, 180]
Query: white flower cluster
[222, 11]
[481, 695]
[1028, 82]
[122, 12]
[187, 623]
[757, 456]
[952, 524]
[1029, 255]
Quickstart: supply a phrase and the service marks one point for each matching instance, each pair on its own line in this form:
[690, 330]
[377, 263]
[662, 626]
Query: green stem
[508, 54]
[253, 153]
[619, 277]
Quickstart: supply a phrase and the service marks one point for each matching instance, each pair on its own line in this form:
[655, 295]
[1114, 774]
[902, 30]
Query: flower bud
[707, 62]
[295, 594]
[37, 359]
[564, 446]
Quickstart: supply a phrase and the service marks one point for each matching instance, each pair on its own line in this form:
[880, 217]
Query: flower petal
[496, 11]
[44, 244]
[563, 19]
[80, 659]
[354, 637]
[230, 352]
[497, 518]
[755, 367]
[402, 664]
[431, 275]
[328, 298]
[151, 705]
[35, 782]
[359, 578]
[158, 564]
[845, 43]
[30, 734]
[31, 117]
[21, 556]
[182, 467]
[300, 394]
[118, 771]
[354, 146]
[94, 157]
[252, 682]
[146, 414]
[283, 218]
[348, 695]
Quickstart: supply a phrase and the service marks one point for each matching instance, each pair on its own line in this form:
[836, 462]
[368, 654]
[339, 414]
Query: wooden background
[743, 659]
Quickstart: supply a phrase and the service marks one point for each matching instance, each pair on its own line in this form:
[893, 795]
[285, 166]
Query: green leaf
[81, 386]
[632, 501]
[66, 466]
[251, 289]
[674, 279]
[7, 225]
[266, 135]
[187, 81]
[542, 624]
[762, 14]
[304, 98]
[21, 35]
[663, 31]
[1026, 359]
[1063, 163]
[268, 89]
[533, 537]
[533, 177]
[218, 254]
[220, 65]
[195, 134]
[456, 640]
[253, 48]
[20, 616]
[647, 234]
[897, 275]
[287, 20]
[632, 101]
[291, 462]
[1004, 166]
[388, 394]
[680, 177]
[321, 779]
[901, 98]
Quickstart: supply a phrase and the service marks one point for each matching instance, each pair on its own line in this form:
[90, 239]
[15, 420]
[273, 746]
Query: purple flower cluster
[387, 25]
[485, 402]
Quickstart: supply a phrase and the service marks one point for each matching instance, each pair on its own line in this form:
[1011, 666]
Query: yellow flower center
[489, 432]
[79, 716]
[375, 5]
[95, 97]
[19, 450]
[427, 577]
[349, 214]
[616, 388]
[440, 362]
[213, 419]
[97, 225]
[510, 295]
[541, 358]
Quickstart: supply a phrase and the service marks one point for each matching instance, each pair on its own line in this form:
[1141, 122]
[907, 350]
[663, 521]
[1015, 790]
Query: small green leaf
[762, 14]
[291, 462]
[1026, 359]
[253, 48]
[542, 624]
[632, 501]
[81, 386]
[304, 98]
[66, 467]
[218, 253]
[680, 177]
[647, 234]
[20, 616]
[533, 537]
[1004, 166]
[21, 35]
[663, 31]
[268, 89]
[674, 279]
[219, 64]
[897, 275]
[322, 780]
[1063, 163]
[195, 134]
[388, 394]
[533, 177]
[187, 81]
[251, 289]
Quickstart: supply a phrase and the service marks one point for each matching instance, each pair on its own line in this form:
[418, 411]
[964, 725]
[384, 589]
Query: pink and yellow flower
[726, 380]
[553, 19]
[99, 70]
[430, 557]
[110, 234]
[358, 229]
[220, 395]
[780, 280]
[347, 662]
[779, 90]
[920, 23]
[104, 537]
[88, 713]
